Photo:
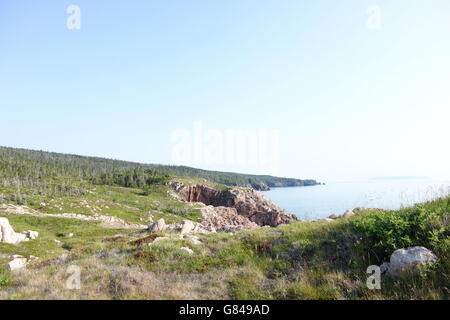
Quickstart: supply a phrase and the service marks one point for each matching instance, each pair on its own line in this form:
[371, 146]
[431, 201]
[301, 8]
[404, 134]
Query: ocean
[317, 202]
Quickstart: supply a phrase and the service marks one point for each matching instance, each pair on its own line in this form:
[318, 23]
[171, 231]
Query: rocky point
[235, 208]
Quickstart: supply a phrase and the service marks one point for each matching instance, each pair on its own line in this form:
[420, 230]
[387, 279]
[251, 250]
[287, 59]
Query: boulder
[32, 234]
[272, 218]
[187, 226]
[8, 235]
[348, 213]
[17, 263]
[410, 260]
[159, 225]
[33, 258]
[334, 216]
[194, 239]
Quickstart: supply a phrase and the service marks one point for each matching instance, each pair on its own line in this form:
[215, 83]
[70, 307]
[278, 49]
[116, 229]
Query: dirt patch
[147, 239]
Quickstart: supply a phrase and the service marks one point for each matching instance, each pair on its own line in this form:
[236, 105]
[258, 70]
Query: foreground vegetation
[304, 260]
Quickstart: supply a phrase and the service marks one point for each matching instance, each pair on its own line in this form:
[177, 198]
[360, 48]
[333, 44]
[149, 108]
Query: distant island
[400, 178]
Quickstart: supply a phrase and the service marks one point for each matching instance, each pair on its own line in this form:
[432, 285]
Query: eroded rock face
[410, 260]
[225, 219]
[247, 202]
[204, 194]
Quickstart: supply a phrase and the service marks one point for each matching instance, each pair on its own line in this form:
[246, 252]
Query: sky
[329, 90]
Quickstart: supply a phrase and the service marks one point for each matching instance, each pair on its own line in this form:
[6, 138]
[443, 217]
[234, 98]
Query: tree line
[29, 168]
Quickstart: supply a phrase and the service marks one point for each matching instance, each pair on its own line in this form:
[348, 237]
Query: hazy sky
[332, 90]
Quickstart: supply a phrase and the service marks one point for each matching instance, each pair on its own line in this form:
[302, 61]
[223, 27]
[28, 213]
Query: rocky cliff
[250, 204]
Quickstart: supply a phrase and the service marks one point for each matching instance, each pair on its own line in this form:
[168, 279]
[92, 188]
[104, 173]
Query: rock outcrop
[247, 202]
[334, 216]
[188, 226]
[348, 213]
[409, 261]
[225, 219]
[8, 235]
[204, 194]
[17, 263]
[20, 262]
[159, 225]
[185, 227]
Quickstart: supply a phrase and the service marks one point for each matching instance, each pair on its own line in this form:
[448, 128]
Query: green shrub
[422, 225]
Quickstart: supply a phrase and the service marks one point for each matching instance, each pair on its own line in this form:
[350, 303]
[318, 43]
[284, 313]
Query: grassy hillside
[38, 169]
[304, 260]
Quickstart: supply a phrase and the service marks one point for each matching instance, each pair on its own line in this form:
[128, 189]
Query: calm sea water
[317, 202]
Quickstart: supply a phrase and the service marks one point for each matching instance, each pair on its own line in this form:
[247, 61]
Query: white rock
[410, 260]
[17, 263]
[32, 234]
[348, 213]
[194, 240]
[8, 235]
[62, 258]
[187, 226]
[159, 225]
[188, 250]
